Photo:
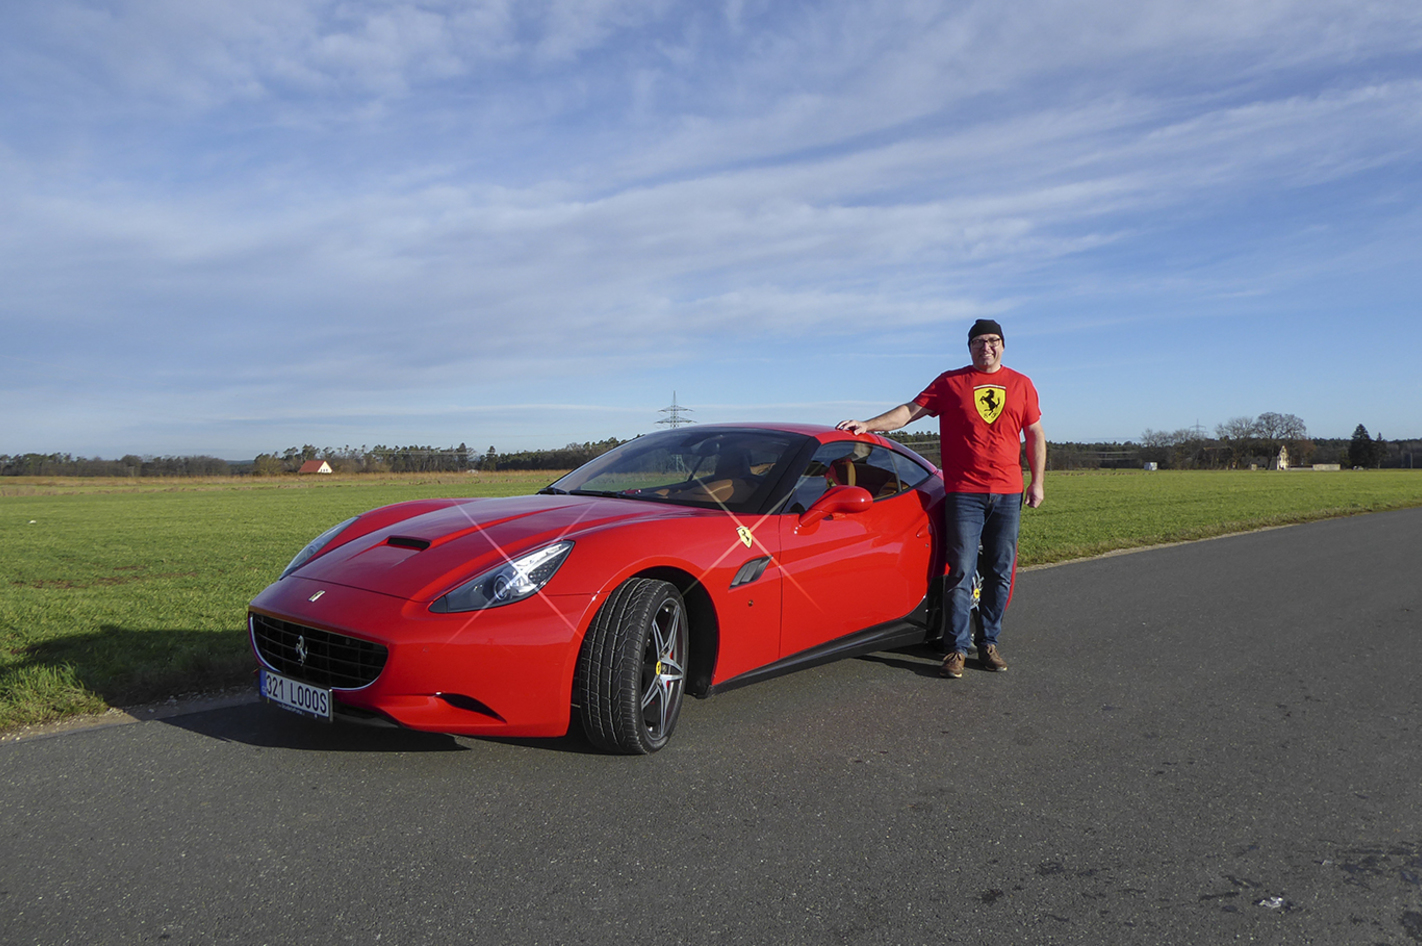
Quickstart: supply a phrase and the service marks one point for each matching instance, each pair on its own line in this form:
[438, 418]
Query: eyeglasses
[983, 341]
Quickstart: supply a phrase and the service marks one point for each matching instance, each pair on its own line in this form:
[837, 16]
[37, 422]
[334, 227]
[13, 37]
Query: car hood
[422, 557]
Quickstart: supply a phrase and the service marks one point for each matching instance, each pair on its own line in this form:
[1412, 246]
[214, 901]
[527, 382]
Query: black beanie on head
[985, 327]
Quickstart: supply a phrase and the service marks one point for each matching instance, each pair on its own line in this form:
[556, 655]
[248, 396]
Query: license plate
[296, 696]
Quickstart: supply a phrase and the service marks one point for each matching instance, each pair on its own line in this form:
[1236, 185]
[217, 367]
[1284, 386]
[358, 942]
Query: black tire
[632, 668]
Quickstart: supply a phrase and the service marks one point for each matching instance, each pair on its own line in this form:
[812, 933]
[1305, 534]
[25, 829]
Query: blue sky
[233, 227]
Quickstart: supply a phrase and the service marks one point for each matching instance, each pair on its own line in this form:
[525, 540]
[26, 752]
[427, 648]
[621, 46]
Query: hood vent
[408, 542]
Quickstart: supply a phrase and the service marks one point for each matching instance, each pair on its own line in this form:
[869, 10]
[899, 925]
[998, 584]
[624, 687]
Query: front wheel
[632, 668]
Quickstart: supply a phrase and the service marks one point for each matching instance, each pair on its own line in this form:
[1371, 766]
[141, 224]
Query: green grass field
[1090, 513]
[118, 592]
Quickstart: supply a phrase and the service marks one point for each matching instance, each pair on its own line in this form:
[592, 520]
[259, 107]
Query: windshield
[724, 468]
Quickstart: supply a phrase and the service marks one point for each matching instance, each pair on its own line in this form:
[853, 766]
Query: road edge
[182, 705]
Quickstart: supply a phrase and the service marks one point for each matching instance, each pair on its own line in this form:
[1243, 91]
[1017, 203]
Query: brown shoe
[990, 658]
[953, 665]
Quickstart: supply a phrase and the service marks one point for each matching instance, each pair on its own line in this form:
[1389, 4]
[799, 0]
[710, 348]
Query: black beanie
[985, 327]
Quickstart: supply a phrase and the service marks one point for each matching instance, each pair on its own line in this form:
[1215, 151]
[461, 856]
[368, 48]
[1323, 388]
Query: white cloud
[402, 199]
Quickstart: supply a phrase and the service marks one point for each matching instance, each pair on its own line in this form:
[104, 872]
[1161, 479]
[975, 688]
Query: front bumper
[504, 671]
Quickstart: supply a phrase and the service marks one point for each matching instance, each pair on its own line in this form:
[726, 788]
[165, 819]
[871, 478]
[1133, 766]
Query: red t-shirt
[980, 422]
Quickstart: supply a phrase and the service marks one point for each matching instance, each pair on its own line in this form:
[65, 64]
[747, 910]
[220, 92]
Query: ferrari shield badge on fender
[746, 538]
[990, 400]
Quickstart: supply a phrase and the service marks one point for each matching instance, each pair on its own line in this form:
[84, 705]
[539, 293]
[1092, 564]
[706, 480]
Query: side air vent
[750, 571]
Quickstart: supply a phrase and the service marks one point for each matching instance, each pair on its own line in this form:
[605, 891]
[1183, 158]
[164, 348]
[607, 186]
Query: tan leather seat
[841, 472]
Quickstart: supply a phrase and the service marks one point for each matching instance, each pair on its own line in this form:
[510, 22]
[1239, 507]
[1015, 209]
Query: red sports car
[687, 561]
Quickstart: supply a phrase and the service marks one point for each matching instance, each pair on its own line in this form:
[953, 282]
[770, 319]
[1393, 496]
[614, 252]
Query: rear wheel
[632, 668]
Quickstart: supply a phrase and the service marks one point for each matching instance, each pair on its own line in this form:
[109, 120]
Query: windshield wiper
[593, 492]
[552, 491]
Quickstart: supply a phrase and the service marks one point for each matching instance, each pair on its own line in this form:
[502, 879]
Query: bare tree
[1281, 427]
[1237, 429]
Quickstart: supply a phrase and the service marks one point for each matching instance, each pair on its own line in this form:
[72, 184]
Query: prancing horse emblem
[746, 537]
[301, 650]
[990, 399]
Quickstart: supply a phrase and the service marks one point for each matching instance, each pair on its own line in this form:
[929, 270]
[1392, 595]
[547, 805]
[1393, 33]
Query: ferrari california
[688, 561]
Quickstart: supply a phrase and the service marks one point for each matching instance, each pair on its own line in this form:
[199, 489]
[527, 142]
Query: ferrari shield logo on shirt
[990, 400]
[746, 537]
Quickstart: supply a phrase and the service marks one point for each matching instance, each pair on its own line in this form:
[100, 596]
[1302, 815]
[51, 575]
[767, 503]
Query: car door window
[911, 474]
[849, 463]
[877, 473]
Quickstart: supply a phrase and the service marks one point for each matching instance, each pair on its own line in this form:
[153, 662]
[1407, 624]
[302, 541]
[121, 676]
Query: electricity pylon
[675, 411]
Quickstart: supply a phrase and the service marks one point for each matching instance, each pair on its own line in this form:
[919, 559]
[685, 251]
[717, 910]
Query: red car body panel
[854, 571]
[509, 670]
[438, 663]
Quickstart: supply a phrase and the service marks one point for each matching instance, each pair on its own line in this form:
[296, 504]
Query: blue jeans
[973, 519]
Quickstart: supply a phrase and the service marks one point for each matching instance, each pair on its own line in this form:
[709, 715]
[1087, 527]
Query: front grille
[317, 657]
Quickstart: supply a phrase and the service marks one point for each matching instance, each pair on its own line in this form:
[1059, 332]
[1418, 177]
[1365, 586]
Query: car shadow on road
[925, 660]
[256, 724]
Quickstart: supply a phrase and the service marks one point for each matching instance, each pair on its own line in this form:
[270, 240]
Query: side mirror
[835, 500]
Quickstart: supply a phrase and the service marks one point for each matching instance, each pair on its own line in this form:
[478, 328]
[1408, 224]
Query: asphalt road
[1197, 744]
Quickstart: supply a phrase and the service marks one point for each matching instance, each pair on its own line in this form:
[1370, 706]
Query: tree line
[377, 459]
[1247, 442]
[1239, 443]
[428, 459]
[64, 464]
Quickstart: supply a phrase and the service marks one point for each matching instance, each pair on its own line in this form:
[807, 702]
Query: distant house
[315, 466]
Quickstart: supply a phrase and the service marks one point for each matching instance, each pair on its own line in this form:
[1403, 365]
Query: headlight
[314, 546]
[512, 581]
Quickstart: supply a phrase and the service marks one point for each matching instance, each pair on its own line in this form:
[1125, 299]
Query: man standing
[984, 411]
